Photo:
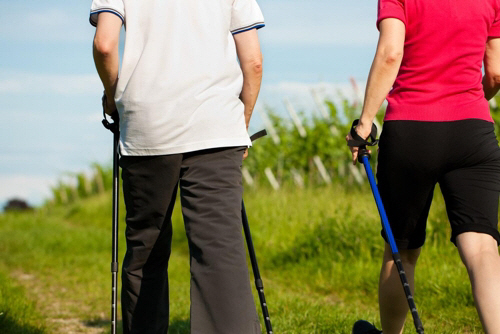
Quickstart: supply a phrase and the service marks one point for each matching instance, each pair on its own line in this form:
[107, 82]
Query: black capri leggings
[462, 156]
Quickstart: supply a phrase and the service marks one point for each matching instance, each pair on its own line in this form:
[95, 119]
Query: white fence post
[324, 113]
[358, 177]
[299, 181]
[320, 104]
[272, 180]
[295, 118]
[493, 103]
[322, 169]
[269, 126]
[246, 175]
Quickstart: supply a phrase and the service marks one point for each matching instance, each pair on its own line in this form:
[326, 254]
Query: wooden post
[320, 104]
[272, 180]
[295, 118]
[248, 178]
[299, 181]
[322, 170]
[269, 127]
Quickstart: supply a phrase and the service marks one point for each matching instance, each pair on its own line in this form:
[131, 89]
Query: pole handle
[362, 143]
[358, 141]
[258, 135]
[115, 126]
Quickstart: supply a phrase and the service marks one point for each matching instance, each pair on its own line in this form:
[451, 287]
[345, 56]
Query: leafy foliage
[288, 156]
[293, 153]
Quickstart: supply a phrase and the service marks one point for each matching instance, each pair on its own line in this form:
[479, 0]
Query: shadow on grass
[11, 326]
[103, 323]
[178, 326]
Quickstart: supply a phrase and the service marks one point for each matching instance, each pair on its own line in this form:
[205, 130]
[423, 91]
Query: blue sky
[50, 93]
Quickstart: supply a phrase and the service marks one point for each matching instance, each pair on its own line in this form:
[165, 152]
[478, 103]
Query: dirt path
[59, 318]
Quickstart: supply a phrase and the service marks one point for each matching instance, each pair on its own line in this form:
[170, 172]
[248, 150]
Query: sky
[50, 113]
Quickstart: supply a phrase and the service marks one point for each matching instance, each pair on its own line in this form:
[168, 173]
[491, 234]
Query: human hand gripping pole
[364, 158]
[115, 129]
[253, 258]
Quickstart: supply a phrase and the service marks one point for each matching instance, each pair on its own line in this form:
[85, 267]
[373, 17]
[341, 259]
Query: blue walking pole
[364, 158]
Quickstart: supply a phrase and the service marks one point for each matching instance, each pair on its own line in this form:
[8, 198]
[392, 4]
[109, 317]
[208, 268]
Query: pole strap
[258, 135]
[357, 141]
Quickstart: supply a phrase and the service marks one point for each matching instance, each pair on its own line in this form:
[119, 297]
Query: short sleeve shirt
[391, 9]
[180, 80]
[441, 71]
[495, 27]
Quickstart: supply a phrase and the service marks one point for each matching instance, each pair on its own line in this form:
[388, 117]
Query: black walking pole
[114, 127]
[364, 158]
[253, 258]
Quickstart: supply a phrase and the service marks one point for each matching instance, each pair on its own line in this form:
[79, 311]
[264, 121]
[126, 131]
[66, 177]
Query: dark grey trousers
[211, 193]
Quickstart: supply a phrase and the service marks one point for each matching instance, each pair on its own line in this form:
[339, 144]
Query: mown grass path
[319, 252]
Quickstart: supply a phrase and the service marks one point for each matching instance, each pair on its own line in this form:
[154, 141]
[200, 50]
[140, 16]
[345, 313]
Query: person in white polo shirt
[184, 103]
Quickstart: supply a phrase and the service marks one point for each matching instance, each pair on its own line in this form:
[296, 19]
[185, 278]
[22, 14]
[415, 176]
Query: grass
[319, 251]
[17, 315]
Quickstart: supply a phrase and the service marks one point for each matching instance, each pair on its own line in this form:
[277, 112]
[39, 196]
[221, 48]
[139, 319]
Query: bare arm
[248, 49]
[106, 57]
[491, 79]
[383, 73]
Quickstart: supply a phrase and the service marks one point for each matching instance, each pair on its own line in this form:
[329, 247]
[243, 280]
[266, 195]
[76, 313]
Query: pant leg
[471, 185]
[211, 194]
[149, 187]
[408, 165]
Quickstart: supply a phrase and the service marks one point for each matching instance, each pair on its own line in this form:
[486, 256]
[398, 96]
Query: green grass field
[319, 252]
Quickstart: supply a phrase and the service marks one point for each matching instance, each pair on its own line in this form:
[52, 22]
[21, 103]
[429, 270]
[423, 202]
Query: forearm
[491, 79]
[107, 65]
[382, 75]
[250, 57]
[252, 78]
[106, 53]
[491, 85]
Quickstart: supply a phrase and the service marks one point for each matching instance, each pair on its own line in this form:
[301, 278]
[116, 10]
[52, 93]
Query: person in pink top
[437, 129]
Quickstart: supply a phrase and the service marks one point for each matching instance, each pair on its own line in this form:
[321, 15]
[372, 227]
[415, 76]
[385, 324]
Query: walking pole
[253, 258]
[364, 158]
[114, 127]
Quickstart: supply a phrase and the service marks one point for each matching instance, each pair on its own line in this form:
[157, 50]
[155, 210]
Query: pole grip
[363, 152]
[358, 141]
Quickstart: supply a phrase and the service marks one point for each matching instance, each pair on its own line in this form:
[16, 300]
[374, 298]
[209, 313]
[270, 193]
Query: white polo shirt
[180, 80]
